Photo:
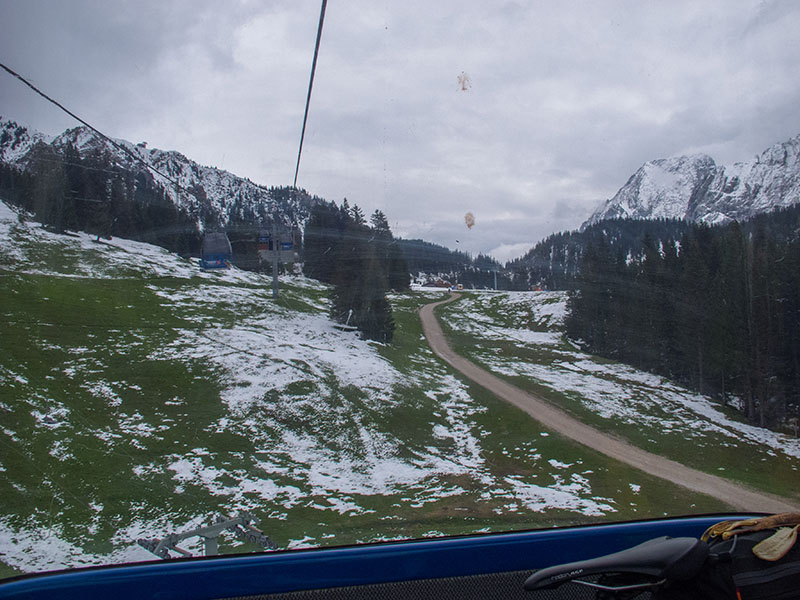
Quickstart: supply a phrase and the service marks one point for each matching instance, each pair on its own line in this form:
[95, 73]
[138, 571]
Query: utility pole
[275, 250]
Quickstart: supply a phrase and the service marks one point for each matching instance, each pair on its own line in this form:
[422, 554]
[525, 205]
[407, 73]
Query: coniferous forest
[554, 263]
[70, 192]
[362, 262]
[453, 266]
[717, 309]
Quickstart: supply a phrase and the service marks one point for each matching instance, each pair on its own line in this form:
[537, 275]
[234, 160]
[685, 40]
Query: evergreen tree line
[554, 263]
[718, 311]
[69, 192]
[361, 260]
[452, 266]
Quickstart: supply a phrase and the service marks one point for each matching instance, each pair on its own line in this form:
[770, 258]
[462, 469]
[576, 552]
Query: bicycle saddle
[661, 559]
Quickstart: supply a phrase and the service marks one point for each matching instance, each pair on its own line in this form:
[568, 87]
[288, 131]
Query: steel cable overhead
[118, 146]
[310, 86]
[150, 167]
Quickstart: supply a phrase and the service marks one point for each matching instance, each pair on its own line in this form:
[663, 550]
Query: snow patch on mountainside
[218, 195]
[16, 140]
[695, 188]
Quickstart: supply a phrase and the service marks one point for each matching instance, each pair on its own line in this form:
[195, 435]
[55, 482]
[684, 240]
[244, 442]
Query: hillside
[207, 197]
[695, 188]
[142, 397]
[78, 181]
[519, 337]
[555, 262]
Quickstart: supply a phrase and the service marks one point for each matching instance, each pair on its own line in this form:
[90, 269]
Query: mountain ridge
[212, 197]
[79, 180]
[696, 188]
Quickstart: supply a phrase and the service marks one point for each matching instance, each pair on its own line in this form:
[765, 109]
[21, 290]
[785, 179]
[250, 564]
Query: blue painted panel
[215, 261]
[206, 578]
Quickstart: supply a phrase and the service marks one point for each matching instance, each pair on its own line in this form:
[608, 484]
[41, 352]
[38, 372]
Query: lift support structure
[242, 526]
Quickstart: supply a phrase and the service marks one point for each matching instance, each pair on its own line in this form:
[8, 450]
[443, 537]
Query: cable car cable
[310, 86]
[118, 146]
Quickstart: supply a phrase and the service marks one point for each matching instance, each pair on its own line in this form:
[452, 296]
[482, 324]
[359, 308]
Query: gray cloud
[567, 99]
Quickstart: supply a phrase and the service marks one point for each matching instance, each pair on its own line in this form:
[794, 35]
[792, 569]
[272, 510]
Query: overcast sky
[566, 99]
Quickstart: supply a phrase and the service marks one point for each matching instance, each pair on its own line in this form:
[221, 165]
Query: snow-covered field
[210, 397]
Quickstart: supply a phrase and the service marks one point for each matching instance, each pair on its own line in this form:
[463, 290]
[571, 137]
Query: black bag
[719, 566]
[733, 572]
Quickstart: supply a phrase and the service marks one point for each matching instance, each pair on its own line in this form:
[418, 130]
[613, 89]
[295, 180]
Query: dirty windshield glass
[215, 340]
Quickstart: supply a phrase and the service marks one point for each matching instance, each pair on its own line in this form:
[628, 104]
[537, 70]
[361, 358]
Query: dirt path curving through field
[737, 496]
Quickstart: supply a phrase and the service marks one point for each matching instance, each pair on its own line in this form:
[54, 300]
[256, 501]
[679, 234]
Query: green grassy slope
[141, 397]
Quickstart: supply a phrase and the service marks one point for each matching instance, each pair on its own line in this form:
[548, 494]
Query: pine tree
[359, 268]
[390, 253]
[380, 224]
[695, 306]
[321, 237]
[375, 319]
[357, 215]
[50, 188]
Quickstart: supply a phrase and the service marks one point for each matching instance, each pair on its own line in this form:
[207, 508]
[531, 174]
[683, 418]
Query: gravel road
[553, 418]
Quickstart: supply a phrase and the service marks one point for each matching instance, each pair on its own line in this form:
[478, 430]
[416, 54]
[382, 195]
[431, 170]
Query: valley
[450, 297]
[143, 397]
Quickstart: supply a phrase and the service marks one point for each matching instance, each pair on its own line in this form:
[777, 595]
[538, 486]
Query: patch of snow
[37, 548]
[557, 464]
[566, 497]
[104, 391]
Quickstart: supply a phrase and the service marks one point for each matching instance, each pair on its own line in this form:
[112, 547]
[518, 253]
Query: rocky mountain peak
[212, 196]
[695, 188]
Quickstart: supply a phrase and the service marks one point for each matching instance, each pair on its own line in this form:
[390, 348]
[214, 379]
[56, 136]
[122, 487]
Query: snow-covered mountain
[211, 196]
[17, 140]
[695, 188]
